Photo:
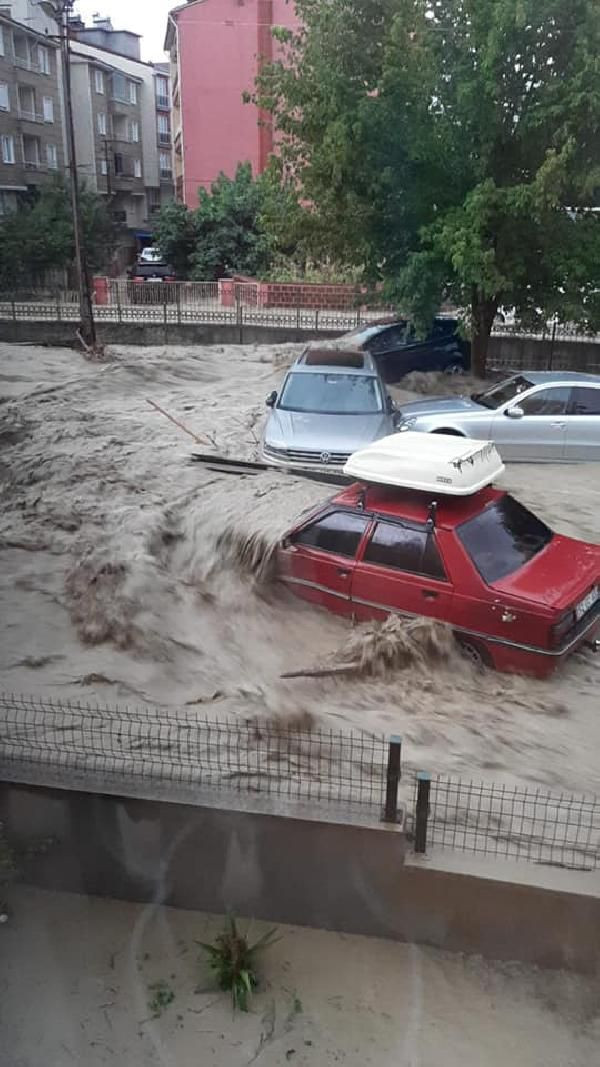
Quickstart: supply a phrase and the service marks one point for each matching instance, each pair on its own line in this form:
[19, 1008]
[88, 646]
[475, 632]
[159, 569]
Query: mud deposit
[130, 575]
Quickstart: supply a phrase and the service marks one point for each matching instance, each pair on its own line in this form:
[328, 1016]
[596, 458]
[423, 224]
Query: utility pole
[59, 10]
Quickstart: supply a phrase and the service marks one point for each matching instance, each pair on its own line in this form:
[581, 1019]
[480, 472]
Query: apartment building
[32, 131]
[216, 48]
[122, 123]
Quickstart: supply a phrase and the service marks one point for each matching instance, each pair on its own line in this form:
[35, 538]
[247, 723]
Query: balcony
[163, 102]
[25, 63]
[166, 175]
[28, 115]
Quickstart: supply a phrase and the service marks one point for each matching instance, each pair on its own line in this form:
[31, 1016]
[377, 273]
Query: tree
[225, 234]
[452, 147]
[39, 236]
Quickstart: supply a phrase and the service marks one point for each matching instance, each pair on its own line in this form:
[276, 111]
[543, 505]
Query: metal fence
[558, 829]
[149, 745]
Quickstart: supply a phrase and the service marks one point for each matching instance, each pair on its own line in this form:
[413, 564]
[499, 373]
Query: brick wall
[291, 295]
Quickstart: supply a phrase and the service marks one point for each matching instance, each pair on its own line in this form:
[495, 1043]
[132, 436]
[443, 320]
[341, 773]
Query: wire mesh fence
[154, 745]
[519, 823]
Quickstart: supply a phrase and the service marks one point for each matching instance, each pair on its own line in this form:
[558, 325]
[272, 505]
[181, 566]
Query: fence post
[422, 810]
[552, 345]
[239, 312]
[58, 315]
[390, 813]
[14, 308]
[316, 319]
[178, 284]
[119, 313]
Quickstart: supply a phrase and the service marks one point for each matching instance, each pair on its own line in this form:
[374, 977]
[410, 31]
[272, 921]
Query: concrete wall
[153, 333]
[284, 869]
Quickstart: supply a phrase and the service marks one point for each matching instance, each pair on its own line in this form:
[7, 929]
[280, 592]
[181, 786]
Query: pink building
[216, 48]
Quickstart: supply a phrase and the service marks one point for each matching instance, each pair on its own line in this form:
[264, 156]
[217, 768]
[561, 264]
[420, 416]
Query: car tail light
[562, 627]
[138, 281]
[169, 278]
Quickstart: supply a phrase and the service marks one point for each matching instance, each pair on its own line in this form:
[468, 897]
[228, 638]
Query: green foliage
[39, 236]
[439, 145]
[226, 234]
[162, 996]
[234, 962]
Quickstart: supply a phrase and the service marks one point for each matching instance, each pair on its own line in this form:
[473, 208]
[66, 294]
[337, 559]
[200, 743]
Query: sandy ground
[76, 976]
[126, 571]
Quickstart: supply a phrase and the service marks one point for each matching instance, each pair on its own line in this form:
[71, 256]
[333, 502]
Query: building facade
[32, 129]
[122, 124]
[216, 48]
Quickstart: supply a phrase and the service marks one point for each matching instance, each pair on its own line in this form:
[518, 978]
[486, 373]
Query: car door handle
[557, 425]
[342, 572]
[429, 594]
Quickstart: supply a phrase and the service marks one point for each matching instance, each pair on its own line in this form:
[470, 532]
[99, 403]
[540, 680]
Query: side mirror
[389, 404]
[271, 399]
[514, 413]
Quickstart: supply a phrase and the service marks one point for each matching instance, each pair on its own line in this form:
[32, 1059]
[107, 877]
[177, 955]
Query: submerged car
[332, 403]
[398, 350]
[518, 596]
[537, 415]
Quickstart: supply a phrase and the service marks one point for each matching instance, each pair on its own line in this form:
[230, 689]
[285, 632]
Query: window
[103, 167]
[391, 338]
[405, 548]
[503, 537]
[331, 394]
[546, 402]
[137, 168]
[48, 108]
[166, 166]
[584, 401]
[99, 81]
[132, 93]
[4, 97]
[164, 129]
[503, 392]
[134, 132]
[1, 41]
[340, 532]
[102, 124]
[52, 156]
[43, 58]
[162, 92]
[118, 163]
[7, 142]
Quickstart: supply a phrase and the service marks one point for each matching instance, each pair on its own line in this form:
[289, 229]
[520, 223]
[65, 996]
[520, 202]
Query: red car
[518, 596]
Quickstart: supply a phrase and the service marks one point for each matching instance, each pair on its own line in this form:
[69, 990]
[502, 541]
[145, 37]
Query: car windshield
[503, 538]
[503, 392]
[331, 394]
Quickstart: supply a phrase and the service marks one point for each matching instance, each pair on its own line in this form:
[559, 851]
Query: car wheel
[477, 654]
[451, 433]
[454, 368]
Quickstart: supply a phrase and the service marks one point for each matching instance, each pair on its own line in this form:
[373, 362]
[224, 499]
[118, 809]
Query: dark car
[398, 350]
[151, 283]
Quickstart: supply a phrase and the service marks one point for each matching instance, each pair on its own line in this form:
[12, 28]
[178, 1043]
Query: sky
[147, 17]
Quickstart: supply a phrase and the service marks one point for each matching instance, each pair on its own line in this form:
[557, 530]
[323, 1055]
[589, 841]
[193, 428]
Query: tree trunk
[483, 312]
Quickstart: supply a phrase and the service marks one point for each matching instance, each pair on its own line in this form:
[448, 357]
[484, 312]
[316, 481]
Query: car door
[537, 429]
[583, 423]
[400, 570]
[317, 561]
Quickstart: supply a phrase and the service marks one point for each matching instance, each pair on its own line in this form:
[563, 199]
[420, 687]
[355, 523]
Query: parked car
[539, 415]
[151, 283]
[518, 596]
[332, 402]
[398, 351]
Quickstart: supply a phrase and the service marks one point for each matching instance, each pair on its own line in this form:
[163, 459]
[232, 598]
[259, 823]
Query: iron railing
[510, 822]
[145, 745]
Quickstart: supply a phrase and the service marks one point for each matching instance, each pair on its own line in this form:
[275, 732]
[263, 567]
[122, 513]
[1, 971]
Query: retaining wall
[303, 870]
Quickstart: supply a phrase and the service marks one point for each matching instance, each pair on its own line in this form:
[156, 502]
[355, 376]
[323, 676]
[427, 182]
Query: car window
[585, 400]
[503, 392]
[331, 394]
[503, 538]
[442, 328]
[339, 532]
[547, 402]
[392, 338]
[405, 548]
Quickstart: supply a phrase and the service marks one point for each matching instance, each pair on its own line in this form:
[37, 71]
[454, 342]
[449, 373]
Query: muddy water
[130, 575]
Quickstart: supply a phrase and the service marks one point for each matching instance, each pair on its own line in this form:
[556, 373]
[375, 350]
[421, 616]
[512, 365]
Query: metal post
[390, 813]
[316, 319]
[552, 345]
[14, 308]
[422, 810]
[178, 298]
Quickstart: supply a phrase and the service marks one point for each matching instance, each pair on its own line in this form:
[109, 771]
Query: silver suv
[332, 402]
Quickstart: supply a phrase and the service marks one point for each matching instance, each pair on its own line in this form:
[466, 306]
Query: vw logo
[324, 457]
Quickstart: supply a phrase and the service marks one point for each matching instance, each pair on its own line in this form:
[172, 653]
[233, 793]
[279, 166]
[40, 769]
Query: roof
[432, 463]
[412, 506]
[333, 360]
[543, 377]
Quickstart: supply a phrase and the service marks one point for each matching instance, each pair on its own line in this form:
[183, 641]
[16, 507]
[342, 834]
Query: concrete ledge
[157, 333]
[310, 872]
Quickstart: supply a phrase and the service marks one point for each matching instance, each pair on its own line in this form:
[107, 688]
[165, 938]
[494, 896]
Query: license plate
[588, 602]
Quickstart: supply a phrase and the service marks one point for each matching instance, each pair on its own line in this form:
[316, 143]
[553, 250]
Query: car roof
[332, 360]
[414, 506]
[544, 377]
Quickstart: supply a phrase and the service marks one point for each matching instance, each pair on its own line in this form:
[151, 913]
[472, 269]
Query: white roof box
[431, 462]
